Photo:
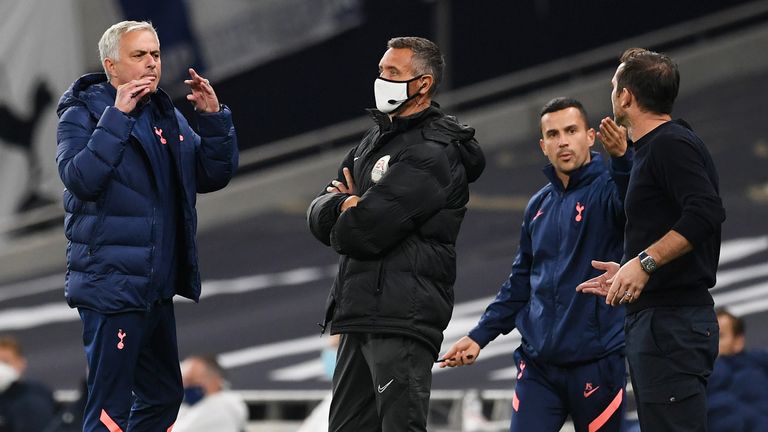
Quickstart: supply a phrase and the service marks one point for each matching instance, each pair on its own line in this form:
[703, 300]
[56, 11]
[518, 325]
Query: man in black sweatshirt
[671, 249]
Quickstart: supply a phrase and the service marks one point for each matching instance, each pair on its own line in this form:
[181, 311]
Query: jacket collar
[581, 176]
[399, 123]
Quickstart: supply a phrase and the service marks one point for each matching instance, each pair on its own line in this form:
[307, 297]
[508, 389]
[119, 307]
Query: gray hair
[427, 58]
[109, 44]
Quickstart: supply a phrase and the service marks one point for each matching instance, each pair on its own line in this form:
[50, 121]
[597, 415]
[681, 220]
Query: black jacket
[398, 262]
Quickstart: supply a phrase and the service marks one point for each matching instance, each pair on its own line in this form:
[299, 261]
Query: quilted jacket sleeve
[86, 155]
[411, 191]
[324, 210]
[217, 154]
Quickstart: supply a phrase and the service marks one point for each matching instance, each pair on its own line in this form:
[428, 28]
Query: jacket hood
[441, 128]
[448, 130]
[89, 91]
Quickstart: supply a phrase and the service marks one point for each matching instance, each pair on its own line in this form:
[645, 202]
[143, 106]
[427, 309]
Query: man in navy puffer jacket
[571, 359]
[132, 167]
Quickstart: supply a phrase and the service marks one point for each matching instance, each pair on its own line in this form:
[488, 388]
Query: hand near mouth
[130, 93]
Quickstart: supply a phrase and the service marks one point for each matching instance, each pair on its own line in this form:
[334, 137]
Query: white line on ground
[726, 278]
[56, 312]
[31, 287]
[736, 249]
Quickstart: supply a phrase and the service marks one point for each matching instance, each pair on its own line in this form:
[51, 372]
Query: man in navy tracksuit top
[671, 249]
[571, 360]
[132, 167]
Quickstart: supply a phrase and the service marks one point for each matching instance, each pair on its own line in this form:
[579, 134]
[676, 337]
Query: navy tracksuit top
[562, 231]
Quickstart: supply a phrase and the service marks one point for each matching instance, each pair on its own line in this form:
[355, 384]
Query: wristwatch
[647, 262]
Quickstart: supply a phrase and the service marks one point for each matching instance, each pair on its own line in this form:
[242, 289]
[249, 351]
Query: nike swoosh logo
[381, 389]
[589, 393]
[355, 158]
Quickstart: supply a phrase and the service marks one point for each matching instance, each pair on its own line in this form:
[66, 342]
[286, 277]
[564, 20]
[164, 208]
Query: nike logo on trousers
[588, 393]
[381, 389]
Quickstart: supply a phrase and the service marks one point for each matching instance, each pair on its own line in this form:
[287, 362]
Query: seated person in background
[738, 388]
[69, 418]
[25, 406]
[208, 404]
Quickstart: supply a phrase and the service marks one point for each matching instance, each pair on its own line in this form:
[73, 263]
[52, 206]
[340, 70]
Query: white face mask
[8, 376]
[391, 95]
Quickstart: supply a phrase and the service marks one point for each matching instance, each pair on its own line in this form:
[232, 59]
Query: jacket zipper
[380, 277]
[144, 154]
[152, 250]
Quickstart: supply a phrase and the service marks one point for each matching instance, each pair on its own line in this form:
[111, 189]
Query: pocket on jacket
[355, 290]
[100, 216]
[395, 294]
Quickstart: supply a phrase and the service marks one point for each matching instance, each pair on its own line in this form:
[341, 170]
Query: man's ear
[626, 98]
[426, 84]
[109, 66]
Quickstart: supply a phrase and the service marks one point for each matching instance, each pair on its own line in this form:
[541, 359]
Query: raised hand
[613, 137]
[203, 98]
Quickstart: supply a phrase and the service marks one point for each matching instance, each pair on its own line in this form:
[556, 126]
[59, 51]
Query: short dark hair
[737, 323]
[652, 78]
[561, 103]
[426, 55]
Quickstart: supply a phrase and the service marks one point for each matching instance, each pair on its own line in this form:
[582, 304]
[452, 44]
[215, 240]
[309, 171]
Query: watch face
[649, 265]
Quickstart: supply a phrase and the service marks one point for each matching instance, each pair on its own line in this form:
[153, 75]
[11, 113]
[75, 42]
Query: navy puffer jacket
[111, 197]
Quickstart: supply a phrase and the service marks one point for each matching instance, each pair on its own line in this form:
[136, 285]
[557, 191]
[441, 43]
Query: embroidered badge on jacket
[380, 168]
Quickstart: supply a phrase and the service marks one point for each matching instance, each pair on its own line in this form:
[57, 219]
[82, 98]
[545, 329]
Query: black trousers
[381, 384]
[671, 352]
